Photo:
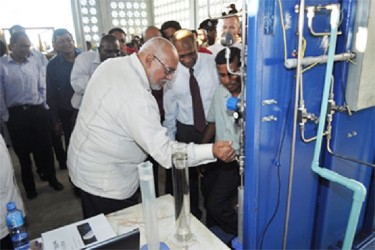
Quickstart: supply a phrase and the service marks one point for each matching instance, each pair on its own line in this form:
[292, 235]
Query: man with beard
[118, 125]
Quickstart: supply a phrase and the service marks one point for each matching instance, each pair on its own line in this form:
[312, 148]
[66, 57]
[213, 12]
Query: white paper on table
[79, 234]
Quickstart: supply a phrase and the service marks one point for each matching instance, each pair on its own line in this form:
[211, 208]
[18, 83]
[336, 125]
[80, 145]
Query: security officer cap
[208, 24]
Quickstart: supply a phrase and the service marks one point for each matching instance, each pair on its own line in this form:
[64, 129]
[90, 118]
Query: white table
[127, 219]
[132, 217]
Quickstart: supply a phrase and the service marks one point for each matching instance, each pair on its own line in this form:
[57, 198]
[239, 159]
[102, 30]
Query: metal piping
[310, 16]
[357, 187]
[242, 126]
[292, 63]
[227, 41]
[293, 144]
[304, 116]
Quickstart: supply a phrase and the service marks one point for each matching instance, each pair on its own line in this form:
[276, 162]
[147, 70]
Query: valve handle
[232, 103]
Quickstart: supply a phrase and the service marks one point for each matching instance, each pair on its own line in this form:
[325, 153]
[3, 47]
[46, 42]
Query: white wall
[36, 13]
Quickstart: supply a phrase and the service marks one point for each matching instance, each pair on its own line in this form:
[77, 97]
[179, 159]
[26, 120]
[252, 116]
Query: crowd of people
[103, 112]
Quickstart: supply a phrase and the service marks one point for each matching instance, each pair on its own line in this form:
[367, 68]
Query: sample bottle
[16, 226]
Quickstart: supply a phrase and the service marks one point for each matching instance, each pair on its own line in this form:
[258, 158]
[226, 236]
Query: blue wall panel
[319, 210]
[335, 199]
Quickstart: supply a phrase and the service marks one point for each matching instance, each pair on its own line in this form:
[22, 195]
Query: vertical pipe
[242, 126]
[357, 187]
[253, 126]
[240, 213]
[293, 144]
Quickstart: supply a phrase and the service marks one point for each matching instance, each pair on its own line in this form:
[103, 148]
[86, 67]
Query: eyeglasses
[167, 70]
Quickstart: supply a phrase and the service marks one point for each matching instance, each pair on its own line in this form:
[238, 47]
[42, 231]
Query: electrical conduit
[357, 187]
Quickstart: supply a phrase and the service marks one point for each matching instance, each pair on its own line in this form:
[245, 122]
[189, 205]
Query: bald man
[150, 32]
[86, 63]
[119, 124]
[232, 25]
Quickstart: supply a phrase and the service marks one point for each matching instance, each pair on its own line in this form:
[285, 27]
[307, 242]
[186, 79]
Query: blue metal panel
[315, 221]
[336, 200]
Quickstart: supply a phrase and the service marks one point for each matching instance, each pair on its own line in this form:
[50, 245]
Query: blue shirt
[59, 89]
[21, 84]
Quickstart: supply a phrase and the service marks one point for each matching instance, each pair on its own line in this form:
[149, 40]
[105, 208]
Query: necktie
[198, 111]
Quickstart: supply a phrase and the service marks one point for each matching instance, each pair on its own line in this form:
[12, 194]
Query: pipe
[242, 128]
[292, 62]
[304, 116]
[240, 213]
[310, 16]
[329, 149]
[308, 140]
[293, 144]
[357, 187]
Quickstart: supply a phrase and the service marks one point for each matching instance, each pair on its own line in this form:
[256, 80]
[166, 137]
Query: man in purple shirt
[23, 107]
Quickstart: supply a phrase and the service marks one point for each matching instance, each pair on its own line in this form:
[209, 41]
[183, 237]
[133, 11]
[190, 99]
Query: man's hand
[224, 151]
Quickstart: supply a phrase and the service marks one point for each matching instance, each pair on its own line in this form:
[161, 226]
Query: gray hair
[156, 44]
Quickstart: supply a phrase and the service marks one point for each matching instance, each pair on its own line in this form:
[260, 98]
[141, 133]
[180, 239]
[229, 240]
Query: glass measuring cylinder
[180, 175]
[149, 205]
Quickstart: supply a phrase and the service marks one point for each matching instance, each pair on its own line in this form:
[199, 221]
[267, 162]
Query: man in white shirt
[119, 124]
[8, 192]
[148, 33]
[231, 25]
[220, 183]
[86, 63]
[178, 101]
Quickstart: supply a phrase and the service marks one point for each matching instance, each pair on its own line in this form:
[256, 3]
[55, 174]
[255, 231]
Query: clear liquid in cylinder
[180, 175]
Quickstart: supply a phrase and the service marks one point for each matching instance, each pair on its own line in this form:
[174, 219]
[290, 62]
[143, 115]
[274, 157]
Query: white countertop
[127, 219]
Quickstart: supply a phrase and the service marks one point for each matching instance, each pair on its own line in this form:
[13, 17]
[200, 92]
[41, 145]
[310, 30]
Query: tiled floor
[51, 209]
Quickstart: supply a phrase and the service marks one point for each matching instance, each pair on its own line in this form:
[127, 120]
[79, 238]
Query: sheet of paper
[78, 235]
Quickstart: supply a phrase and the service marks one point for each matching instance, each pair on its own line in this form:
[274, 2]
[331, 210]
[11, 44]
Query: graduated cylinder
[180, 175]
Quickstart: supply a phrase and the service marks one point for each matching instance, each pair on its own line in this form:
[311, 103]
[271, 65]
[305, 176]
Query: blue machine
[286, 204]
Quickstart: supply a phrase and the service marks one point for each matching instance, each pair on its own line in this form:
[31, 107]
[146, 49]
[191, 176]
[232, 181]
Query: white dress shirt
[177, 98]
[8, 187]
[117, 126]
[83, 68]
